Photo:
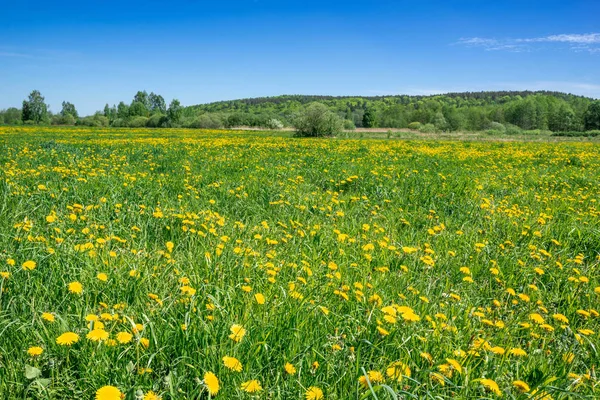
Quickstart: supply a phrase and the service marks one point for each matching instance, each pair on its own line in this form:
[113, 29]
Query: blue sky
[97, 52]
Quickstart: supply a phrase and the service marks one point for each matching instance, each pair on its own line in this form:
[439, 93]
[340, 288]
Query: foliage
[34, 108]
[180, 262]
[317, 120]
[592, 117]
[274, 124]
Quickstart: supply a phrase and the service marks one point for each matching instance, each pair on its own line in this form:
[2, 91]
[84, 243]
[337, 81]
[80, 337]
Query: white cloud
[588, 38]
[588, 42]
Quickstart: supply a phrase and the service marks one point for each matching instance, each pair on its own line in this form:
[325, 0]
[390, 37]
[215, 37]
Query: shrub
[206, 121]
[414, 125]
[274, 124]
[497, 126]
[427, 128]
[158, 121]
[317, 120]
[137, 122]
[513, 130]
[349, 125]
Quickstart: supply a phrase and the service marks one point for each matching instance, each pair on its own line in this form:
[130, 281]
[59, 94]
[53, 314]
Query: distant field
[191, 264]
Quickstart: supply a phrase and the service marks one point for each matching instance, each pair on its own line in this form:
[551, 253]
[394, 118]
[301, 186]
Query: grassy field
[177, 264]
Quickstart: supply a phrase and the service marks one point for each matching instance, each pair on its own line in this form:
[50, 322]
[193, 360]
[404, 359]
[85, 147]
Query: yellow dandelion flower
[313, 393]
[398, 370]
[75, 287]
[373, 376]
[521, 386]
[29, 265]
[67, 339]
[237, 333]
[212, 383]
[97, 335]
[151, 396]
[48, 317]
[108, 393]
[35, 351]
[289, 368]
[260, 299]
[252, 386]
[102, 277]
[232, 363]
[124, 337]
[491, 386]
[517, 352]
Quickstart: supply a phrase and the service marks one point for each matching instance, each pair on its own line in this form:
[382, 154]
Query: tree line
[502, 111]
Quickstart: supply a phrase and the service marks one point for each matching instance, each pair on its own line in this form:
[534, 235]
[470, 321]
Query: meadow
[187, 264]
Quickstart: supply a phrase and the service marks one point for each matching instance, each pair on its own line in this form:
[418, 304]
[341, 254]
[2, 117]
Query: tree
[317, 120]
[69, 109]
[174, 112]
[34, 108]
[157, 103]
[592, 116]
[368, 118]
[439, 121]
[142, 97]
[122, 111]
[11, 116]
[138, 109]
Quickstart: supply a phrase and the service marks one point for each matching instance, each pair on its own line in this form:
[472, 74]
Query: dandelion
[75, 287]
[491, 385]
[67, 339]
[373, 377]
[212, 383]
[397, 370]
[517, 352]
[48, 317]
[260, 299]
[313, 393]
[151, 396]
[232, 363]
[29, 265]
[97, 335]
[252, 386]
[124, 337]
[237, 333]
[102, 277]
[521, 386]
[108, 393]
[35, 351]
[289, 368]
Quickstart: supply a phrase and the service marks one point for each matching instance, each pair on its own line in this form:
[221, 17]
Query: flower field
[174, 264]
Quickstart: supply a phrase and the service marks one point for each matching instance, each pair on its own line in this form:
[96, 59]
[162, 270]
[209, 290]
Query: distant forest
[470, 111]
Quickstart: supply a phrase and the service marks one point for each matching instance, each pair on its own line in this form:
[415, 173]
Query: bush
[317, 120]
[593, 133]
[96, 120]
[497, 126]
[119, 123]
[414, 125]
[158, 121]
[137, 122]
[274, 124]
[428, 128]
[513, 130]
[206, 121]
[349, 125]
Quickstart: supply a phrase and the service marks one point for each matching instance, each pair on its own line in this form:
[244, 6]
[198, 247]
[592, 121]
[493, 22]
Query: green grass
[322, 228]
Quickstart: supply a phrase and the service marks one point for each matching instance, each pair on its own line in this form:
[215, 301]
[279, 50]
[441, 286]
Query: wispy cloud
[588, 38]
[588, 42]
